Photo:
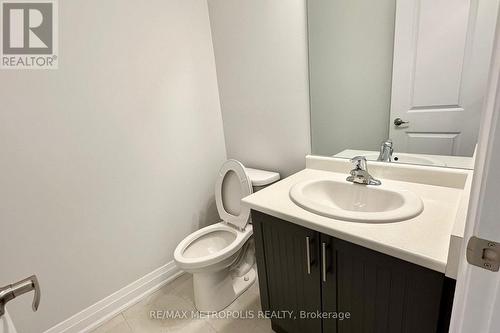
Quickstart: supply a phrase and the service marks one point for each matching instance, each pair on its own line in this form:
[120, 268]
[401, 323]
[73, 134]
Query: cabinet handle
[308, 256]
[323, 260]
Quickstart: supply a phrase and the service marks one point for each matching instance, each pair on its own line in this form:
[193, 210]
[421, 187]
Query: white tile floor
[178, 295]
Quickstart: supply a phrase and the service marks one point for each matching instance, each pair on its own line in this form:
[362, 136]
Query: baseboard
[107, 308]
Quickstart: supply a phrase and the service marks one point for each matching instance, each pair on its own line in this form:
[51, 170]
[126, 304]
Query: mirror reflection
[397, 81]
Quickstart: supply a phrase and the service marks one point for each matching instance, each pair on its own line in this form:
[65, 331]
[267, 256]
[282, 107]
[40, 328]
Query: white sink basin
[356, 203]
[409, 159]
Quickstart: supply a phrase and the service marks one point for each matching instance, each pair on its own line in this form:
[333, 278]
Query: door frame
[477, 295]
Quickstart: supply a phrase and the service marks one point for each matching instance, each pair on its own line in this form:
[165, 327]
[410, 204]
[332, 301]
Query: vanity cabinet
[288, 264]
[304, 270]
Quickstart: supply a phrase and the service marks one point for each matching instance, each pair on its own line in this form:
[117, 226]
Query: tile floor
[178, 295]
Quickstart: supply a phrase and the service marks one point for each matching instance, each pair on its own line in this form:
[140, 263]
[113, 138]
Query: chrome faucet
[386, 150]
[360, 175]
[14, 290]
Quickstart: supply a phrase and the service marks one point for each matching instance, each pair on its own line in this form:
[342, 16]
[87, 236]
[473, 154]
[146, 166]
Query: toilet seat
[241, 219]
[207, 258]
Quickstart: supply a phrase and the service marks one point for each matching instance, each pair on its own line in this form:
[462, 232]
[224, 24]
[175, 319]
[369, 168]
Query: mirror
[400, 76]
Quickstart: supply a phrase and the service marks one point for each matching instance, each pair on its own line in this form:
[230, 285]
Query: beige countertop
[425, 240]
[462, 162]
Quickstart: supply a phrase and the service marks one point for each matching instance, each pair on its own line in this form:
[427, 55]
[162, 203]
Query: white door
[442, 52]
[6, 325]
[477, 297]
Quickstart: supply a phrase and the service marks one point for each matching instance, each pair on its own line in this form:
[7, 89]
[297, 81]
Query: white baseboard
[93, 316]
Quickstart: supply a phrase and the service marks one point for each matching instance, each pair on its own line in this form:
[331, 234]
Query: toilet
[221, 257]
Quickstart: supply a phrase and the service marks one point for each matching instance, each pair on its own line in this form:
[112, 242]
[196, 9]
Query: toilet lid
[231, 186]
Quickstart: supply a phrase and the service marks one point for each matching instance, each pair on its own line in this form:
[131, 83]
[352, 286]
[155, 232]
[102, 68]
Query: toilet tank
[261, 178]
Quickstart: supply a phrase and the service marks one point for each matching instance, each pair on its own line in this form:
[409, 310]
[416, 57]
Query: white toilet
[221, 256]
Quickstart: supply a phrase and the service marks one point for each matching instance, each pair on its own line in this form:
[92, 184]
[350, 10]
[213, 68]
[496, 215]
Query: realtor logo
[29, 34]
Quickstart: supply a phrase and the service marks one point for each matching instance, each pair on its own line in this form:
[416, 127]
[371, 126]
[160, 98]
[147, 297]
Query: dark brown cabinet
[303, 272]
[290, 268]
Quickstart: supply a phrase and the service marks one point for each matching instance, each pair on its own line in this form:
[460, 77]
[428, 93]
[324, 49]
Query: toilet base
[214, 291]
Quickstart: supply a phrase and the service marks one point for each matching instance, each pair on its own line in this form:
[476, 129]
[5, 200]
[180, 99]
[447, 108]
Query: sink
[409, 159]
[346, 201]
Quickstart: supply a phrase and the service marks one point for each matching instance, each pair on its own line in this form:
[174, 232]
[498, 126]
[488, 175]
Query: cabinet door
[382, 293]
[289, 277]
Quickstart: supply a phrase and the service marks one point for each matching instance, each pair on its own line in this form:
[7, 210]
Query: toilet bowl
[221, 256]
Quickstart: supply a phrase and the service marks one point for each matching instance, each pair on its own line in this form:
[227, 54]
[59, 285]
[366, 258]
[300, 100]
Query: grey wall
[261, 57]
[109, 161]
[350, 53]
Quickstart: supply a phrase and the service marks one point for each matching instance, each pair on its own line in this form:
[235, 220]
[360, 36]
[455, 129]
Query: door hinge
[483, 253]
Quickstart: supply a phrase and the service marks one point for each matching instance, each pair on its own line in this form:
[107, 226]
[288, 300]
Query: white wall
[351, 46]
[108, 162]
[261, 56]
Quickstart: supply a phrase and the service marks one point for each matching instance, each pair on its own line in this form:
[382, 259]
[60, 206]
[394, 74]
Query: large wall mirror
[400, 76]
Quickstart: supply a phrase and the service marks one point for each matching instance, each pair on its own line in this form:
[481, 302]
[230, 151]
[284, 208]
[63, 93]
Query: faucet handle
[359, 162]
[388, 143]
